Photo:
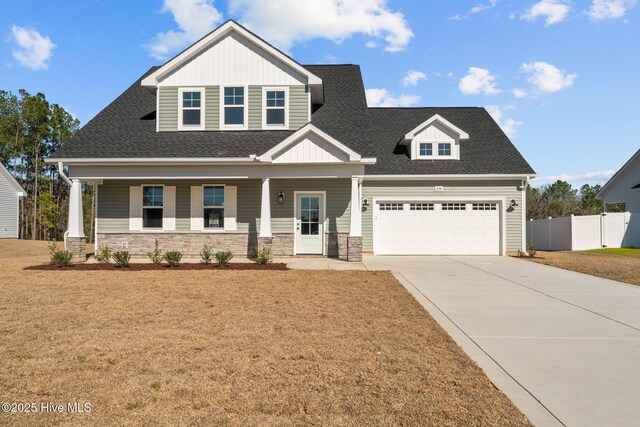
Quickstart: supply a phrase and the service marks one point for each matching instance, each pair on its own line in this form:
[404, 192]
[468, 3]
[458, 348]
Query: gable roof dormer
[435, 119]
[197, 65]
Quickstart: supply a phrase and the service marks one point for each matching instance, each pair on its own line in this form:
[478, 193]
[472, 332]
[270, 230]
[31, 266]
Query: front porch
[293, 217]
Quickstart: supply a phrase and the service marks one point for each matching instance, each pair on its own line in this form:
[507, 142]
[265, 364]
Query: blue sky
[561, 77]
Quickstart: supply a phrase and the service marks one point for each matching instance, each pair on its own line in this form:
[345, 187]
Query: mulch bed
[163, 267]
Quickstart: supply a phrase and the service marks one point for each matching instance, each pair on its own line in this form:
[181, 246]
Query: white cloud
[547, 78]
[195, 18]
[285, 22]
[32, 49]
[520, 93]
[554, 11]
[478, 81]
[413, 77]
[508, 125]
[484, 6]
[610, 9]
[383, 98]
[599, 177]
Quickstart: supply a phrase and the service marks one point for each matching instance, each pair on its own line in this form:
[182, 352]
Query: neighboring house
[10, 193]
[234, 144]
[624, 189]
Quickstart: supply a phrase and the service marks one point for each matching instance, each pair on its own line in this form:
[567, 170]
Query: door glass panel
[309, 215]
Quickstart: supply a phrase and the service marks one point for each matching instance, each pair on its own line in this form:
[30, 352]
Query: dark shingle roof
[127, 128]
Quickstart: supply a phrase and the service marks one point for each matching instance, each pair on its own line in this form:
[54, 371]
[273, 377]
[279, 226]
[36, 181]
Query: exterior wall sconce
[281, 197]
[513, 203]
[365, 202]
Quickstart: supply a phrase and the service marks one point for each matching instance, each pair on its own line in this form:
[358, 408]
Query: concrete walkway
[564, 346]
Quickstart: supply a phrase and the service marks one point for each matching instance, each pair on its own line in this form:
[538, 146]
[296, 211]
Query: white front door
[309, 224]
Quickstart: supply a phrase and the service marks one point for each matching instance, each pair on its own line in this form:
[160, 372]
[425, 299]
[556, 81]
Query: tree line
[31, 129]
[561, 199]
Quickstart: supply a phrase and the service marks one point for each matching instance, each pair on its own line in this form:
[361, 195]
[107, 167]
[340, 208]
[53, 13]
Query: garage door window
[391, 206]
[454, 206]
[421, 206]
[485, 206]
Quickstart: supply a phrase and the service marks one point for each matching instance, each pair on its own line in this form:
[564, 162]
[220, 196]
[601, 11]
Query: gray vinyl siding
[337, 200]
[255, 107]
[212, 108]
[298, 106]
[113, 203]
[168, 108]
[8, 210]
[416, 189]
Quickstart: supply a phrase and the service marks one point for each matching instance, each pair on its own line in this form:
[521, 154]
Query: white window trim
[244, 126]
[415, 150]
[147, 229]
[202, 108]
[210, 229]
[284, 89]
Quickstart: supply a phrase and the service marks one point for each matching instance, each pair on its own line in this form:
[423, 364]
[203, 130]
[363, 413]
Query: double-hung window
[191, 109]
[213, 207]
[152, 206]
[234, 106]
[275, 107]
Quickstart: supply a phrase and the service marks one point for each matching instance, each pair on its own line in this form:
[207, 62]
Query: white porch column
[356, 209]
[265, 210]
[76, 228]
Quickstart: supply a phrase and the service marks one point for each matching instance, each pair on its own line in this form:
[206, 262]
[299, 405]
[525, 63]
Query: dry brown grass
[231, 348]
[615, 267]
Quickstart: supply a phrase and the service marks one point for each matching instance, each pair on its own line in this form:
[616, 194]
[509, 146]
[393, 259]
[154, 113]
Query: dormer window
[275, 114]
[444, 149]
[234, 108]
[435, 139]
[191, 109]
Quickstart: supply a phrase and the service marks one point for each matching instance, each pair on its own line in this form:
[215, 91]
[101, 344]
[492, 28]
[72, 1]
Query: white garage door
[432, 228]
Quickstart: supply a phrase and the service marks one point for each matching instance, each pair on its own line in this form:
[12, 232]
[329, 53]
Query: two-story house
[234, 144]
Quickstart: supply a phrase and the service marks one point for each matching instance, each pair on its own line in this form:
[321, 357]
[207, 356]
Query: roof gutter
[452, 177]
[62, 174]
[154, 160]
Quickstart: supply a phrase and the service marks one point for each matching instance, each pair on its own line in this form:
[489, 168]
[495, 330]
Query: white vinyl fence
[575, 233]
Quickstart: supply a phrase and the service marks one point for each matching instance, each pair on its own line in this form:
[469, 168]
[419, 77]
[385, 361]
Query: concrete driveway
[564, 346]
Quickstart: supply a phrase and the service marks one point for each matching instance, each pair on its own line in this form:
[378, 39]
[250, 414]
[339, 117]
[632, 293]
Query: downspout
[525, 185]
[68, 181]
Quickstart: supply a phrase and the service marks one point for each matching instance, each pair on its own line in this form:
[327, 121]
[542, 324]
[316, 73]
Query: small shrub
[122, 259]
[103, 255]
[531, 249]
[206, 254]
[263, 255]
[223, 258]
[173, 258]
[59, 257]
[156, 255]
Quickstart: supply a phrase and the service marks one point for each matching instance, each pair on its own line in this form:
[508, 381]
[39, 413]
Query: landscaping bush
[122, 259]
[223, 258]
[156, 255]
[531, 249]
[103, 255]
[59, 257]
[173, 258]
[263, 255]
[206, 254]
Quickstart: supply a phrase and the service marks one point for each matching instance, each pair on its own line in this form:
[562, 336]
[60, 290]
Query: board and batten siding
[408, 190]
[113, 203]
[8, 209]
[168, 104]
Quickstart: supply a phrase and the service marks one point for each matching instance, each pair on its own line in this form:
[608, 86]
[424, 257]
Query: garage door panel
[452, 228]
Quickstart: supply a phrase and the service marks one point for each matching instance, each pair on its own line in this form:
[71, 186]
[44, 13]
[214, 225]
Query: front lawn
[611, 264]
[617, 251]
[231, 347]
